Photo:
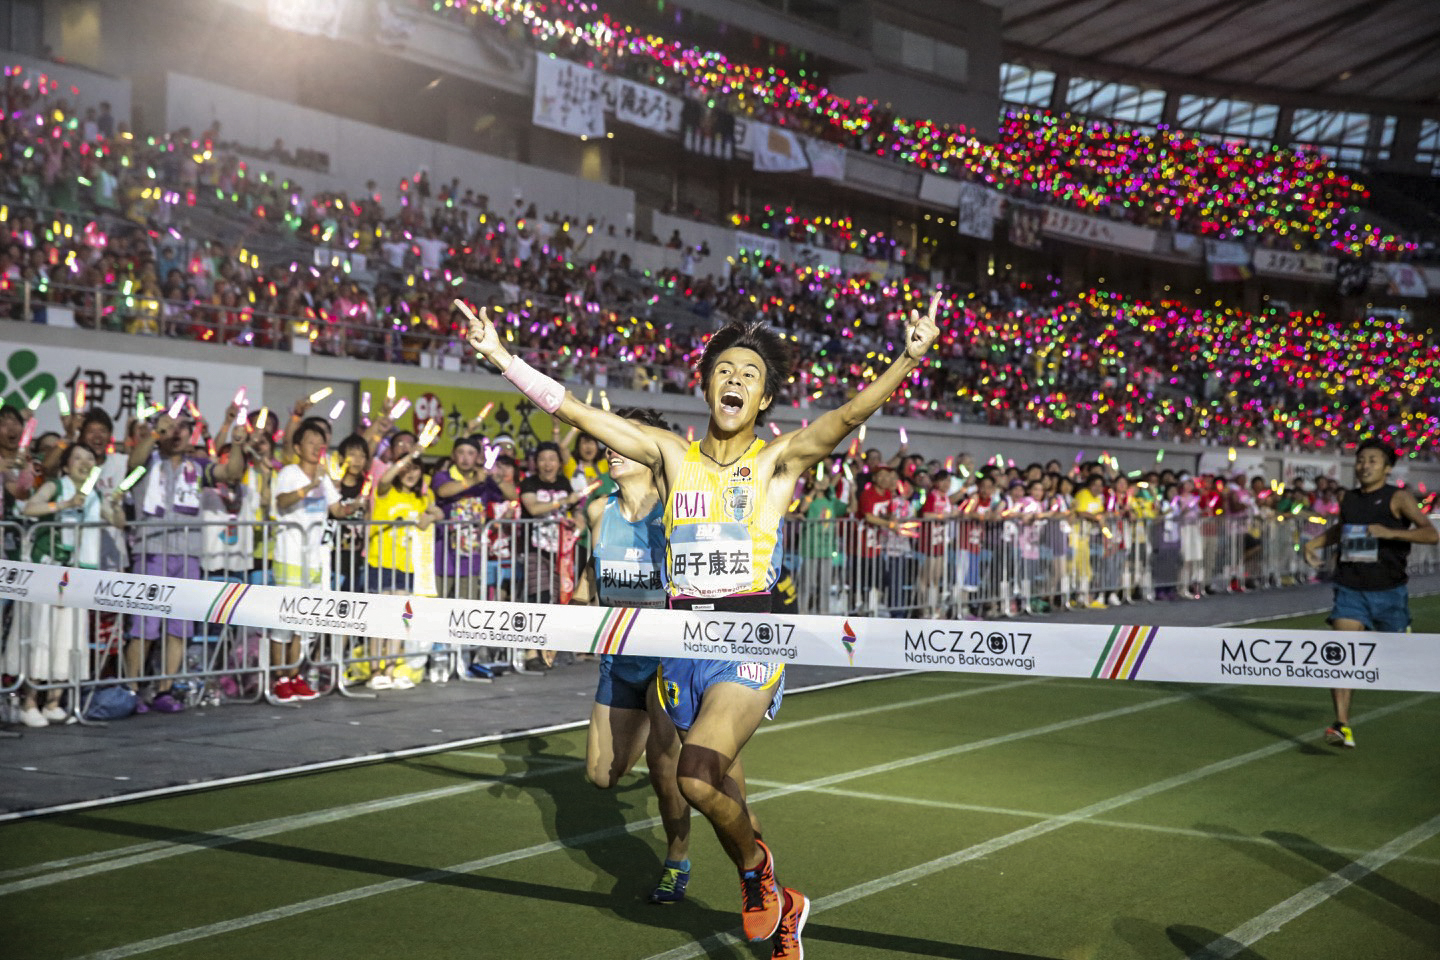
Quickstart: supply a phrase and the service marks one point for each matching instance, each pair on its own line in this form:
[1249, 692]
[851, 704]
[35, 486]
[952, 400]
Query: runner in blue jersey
[627, 536]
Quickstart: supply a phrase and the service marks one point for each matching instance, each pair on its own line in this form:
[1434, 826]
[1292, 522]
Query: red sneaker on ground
[283, 691]
[760, 900]
[786, 943]
[302, 690]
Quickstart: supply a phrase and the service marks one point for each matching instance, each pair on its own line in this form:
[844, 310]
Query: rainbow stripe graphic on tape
[222, 609]
[613, 631]
[1124, 653]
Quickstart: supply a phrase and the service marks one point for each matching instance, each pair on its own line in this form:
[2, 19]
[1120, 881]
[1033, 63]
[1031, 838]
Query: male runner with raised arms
[627, 532]
[1378, 522]
[726, 496]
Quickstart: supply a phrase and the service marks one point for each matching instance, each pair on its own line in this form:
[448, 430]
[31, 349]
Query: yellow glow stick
[321, 394]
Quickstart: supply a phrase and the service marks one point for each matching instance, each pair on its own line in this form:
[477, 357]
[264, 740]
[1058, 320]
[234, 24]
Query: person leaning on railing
[48, 643]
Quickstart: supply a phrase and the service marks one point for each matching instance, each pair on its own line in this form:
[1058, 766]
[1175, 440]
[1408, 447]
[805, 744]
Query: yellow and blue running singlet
[722, 536]
[722, 542]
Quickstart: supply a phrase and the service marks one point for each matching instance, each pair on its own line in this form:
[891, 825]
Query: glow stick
[774, 429]
[690, 434]
[484, 412]
[80, 395]
[949, 464]
[1160, 455]
[804, 423]
[63, 402]
[428, 435]
[90, 482]
[132, 478]
[365, 403]
[860, 437]
[904, 437]
[28, 434]
[398, 411]
[34, 402]
[820, 470]
[336, 467]
[854, 446]
[242, 417]
[239, 400]
[1232, 454]
[589, 396]
[141, 407]
[604, 401]
[263, 416]
[194, 410]
[197, 436]
[389, 391]
[491, 455]
[338, 409]
[321, 394]
[591, 488]
[177, 407]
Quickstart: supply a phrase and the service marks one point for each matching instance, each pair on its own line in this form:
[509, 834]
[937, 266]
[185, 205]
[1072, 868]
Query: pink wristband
[544, 392]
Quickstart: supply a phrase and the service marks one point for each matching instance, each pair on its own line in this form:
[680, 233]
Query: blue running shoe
[671, 888]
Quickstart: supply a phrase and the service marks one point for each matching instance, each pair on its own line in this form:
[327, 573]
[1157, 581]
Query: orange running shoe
[786, 944]
[760, 899]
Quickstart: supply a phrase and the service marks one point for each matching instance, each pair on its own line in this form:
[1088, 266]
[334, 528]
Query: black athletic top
[1365, 562]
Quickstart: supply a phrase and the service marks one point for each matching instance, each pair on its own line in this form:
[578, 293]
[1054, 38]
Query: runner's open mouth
[731, 403]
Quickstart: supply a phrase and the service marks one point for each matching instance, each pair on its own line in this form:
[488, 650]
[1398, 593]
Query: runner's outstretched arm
[637, 441]
[805, 447]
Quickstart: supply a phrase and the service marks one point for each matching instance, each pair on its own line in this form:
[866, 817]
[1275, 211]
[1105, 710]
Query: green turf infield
[935, 815]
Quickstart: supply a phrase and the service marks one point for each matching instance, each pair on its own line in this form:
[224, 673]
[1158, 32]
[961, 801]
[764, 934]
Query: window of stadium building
[1224, 117]
[1027, 86]
[1116, 101]
[1336, 133]
[1427, 149]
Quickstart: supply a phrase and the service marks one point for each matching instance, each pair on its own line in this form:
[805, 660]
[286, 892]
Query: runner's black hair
[771, 347]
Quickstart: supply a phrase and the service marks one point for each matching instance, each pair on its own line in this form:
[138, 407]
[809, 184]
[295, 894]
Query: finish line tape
[1251, 655]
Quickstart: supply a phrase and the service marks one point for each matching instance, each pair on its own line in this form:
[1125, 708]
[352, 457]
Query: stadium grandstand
[308, 576]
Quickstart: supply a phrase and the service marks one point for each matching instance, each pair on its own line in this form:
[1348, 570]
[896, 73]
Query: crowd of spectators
[92, 228]
[288, 503]
[1162, 178]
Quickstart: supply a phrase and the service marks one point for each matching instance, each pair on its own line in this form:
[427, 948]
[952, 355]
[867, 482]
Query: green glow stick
[90, 482]
[132, 478]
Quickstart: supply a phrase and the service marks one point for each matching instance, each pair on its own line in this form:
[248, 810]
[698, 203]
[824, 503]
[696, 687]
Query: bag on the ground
[111, 703]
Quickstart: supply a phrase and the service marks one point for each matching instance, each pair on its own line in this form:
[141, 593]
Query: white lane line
[1257, 929]
[1129, 825]
[361, 893]
[997, 844]
[149, 852]
[195, 842]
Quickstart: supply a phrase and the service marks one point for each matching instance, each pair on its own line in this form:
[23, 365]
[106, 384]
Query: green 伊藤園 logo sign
[22, 379]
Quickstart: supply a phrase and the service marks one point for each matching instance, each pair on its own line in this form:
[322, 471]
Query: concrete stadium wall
[361, 151]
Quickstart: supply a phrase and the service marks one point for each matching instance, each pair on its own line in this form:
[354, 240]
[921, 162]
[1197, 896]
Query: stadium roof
[1352, 54]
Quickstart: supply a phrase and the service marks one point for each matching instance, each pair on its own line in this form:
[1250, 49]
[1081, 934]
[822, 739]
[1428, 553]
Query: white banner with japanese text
[1293, 265]
[1095, 230]
[114, 382]
[978, 208]
[568, 97]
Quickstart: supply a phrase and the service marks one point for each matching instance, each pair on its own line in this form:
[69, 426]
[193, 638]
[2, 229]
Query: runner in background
[628, 531]
[1378, 523]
